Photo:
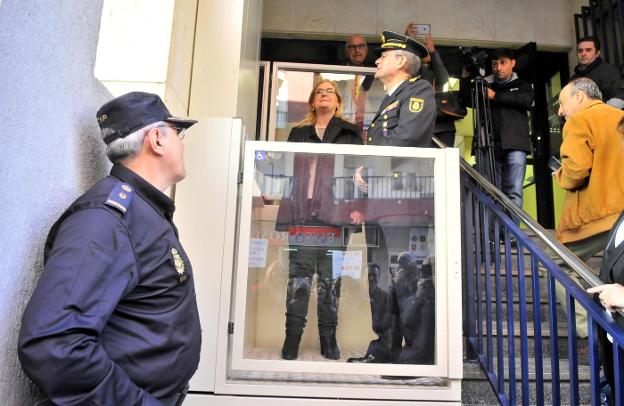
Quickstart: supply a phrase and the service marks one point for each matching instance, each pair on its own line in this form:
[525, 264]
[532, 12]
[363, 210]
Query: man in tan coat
[591, 172]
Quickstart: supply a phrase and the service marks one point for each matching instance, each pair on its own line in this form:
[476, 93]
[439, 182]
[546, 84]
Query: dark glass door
[546, 71]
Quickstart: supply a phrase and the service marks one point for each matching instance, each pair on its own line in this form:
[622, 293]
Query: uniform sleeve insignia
[178, 263]
[120, 197]
[416, 105]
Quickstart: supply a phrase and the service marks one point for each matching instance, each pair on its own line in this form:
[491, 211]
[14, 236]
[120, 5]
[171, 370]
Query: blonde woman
[312, 204]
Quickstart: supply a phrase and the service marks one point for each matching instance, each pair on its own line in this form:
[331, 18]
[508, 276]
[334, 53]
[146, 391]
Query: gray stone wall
[50, 150]
[453, 22]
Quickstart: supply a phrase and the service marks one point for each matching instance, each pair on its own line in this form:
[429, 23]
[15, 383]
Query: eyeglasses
[324, 91]
[180, 131]
[357, 46]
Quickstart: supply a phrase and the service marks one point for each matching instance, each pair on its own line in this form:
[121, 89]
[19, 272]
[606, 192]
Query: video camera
[474, 60]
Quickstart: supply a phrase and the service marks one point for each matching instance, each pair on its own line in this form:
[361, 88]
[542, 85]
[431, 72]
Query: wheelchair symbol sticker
[261, 155]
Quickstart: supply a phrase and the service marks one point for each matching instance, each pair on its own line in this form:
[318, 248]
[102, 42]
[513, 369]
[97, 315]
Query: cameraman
[510, 99]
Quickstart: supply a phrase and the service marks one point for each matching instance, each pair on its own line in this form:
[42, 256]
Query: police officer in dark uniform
[114, 320]
[402, 300]
[407, 114]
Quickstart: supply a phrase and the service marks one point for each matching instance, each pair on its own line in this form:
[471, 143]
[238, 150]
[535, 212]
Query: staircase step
[544, 311]
[479, 392]
[472, 370]
[475, 384]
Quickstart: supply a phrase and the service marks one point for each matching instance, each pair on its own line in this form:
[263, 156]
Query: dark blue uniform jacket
[406, 118]
[113, 320]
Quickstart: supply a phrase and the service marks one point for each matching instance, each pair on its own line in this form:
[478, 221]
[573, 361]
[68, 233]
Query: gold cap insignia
[102, 118]
[416, 105]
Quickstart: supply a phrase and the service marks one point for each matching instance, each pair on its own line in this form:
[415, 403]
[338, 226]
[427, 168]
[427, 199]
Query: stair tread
[472, 370]
[562, 330]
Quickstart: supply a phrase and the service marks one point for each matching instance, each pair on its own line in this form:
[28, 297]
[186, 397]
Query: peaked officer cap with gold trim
[393, 40]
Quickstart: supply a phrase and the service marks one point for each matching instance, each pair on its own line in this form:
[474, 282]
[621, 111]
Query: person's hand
[358, 179]
[491, 94]
[611, 295]
[410, 30]
[428, 40]
[357, 217]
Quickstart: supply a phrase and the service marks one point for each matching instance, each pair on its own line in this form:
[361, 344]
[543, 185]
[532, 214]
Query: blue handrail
[489, 217]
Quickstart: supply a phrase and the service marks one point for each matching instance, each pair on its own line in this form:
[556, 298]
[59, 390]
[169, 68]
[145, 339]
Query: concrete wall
[50, 139]
[469, 22]
[133, 46]
[51, 151]
[178, 85]
[224, 80]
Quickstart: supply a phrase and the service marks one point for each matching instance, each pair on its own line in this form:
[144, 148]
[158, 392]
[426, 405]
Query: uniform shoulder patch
[416, 104]
[120, 197]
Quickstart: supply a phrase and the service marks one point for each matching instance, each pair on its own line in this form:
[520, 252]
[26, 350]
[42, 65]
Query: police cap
[133, 111]
[391, 40]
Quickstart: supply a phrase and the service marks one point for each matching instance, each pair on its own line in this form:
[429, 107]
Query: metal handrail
[566, 255]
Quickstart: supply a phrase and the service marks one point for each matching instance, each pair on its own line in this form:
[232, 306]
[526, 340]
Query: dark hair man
[590, 65]
[114, 320]
[510, 100]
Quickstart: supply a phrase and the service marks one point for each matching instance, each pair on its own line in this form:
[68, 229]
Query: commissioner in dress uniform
[402, 300]
[114, 319]
[407, 114]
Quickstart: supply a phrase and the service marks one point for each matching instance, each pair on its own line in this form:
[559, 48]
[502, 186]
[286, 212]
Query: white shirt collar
[394, 88]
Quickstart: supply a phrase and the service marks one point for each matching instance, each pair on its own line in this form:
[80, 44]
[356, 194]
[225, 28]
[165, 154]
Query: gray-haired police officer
[407, 114]
[403, 308]
[114, 320]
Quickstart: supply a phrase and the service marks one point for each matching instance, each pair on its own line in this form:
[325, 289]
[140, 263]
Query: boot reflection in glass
[297, 298]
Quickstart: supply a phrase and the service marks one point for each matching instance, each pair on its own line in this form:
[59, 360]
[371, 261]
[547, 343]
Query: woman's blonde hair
[310, 118]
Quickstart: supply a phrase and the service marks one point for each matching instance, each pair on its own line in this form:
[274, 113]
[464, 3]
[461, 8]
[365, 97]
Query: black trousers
[305, 262]
[402, 309]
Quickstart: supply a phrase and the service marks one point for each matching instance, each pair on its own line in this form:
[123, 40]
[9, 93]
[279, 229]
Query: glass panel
[361, 95]
[329, 258]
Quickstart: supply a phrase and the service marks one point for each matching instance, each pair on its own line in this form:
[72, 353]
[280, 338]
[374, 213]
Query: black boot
[329, 346]
[290, 350]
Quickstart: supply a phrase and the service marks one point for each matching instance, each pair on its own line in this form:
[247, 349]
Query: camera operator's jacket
[510, 122]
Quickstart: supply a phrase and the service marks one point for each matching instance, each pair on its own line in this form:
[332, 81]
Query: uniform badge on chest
[178, 263]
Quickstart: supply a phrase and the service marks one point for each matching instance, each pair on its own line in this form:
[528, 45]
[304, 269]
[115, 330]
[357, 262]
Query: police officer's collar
[157, 199]
[391, 91]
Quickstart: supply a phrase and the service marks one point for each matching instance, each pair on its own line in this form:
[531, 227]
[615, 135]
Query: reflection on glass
[314, 234]
[371, 249]
[361, 93]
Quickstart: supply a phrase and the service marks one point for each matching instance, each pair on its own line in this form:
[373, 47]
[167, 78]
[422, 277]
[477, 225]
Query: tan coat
[592, 172]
